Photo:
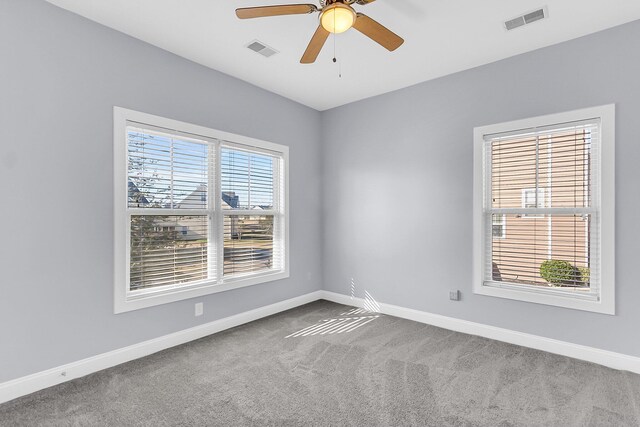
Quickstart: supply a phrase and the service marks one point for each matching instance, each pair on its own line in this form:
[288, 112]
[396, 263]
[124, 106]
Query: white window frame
[126, 300]
[604, 204]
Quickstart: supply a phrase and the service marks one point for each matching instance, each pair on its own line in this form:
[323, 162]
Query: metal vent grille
[256, 46]
[526, 19]
[534, 16]
[514, 23]
[261, 48]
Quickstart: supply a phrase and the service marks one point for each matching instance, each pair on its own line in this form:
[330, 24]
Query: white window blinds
[541, 208]
[200, 210]
[167, 180]
[252, 210]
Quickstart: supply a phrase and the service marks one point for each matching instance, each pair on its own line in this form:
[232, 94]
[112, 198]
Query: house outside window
[198, 211]
[544, 210]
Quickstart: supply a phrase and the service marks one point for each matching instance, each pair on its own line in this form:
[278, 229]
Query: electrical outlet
[454, 295]
[199, 309]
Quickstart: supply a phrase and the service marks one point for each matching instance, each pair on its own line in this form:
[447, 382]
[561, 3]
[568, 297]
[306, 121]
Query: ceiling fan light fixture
[337, 18]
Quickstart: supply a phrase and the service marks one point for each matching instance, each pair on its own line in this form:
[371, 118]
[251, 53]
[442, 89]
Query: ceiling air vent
[526, 19]
[261, 48]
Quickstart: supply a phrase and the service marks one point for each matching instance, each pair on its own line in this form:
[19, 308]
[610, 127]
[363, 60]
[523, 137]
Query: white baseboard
[40, 380]
[590, 354]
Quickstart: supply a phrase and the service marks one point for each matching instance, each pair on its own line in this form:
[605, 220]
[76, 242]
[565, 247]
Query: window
[197, 211]
[532, 199]
[529, 199]
[499, 226]
[549, 181]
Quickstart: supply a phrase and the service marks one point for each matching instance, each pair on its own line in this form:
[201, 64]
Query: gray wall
[398, 185]
[60, 76]
[397, 181]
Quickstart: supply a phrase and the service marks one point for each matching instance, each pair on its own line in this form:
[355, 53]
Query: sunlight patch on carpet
[357, 318]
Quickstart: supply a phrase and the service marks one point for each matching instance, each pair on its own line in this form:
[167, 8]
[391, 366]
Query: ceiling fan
[336, 16]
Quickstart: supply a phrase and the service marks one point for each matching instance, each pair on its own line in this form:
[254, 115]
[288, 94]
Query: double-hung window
[197, 211]
[544, 210]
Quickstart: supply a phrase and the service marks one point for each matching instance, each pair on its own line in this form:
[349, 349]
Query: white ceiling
[442, 37]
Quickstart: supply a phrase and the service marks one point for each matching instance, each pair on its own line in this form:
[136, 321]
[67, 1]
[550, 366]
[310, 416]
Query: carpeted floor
[308, 367]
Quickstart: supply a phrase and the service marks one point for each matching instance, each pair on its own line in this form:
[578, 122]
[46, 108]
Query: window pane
[557, 164]
[548, 250]
[564, 168]
[248, 243]
[167, 250]
[247, 180]
[513, 169]
[166, 172]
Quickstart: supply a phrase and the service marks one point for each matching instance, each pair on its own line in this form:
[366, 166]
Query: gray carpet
[307, 367]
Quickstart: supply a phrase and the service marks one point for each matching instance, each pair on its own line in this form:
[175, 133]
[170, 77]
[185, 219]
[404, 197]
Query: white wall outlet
[199, 309]
[454, 295]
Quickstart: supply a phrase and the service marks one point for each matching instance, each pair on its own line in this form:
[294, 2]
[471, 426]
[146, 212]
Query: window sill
[554, 297]
[152, 297]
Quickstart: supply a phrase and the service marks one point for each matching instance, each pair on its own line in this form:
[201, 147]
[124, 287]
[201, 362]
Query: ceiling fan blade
[364, 2]
[377, 32]
[315, 45]
[285, 9]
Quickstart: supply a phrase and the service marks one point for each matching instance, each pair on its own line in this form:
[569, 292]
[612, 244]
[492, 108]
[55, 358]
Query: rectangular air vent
[526, 19]
[261, 48]
[534, 16]
[514, 23]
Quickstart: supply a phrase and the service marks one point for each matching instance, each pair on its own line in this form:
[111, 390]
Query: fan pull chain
[334, 57]
[334, 49]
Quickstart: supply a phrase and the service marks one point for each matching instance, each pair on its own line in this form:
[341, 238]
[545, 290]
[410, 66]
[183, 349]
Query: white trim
[528, 127]
[590, 354]
[22, 386]
[543, 211]
[125, 300]
[120, 199]
[607, 205]
[478, 209]
[603, 204]
[31, 383]
[168, 294]
[192, 130]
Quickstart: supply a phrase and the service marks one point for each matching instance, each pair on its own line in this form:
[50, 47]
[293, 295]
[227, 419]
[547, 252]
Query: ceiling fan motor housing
[337, 17]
